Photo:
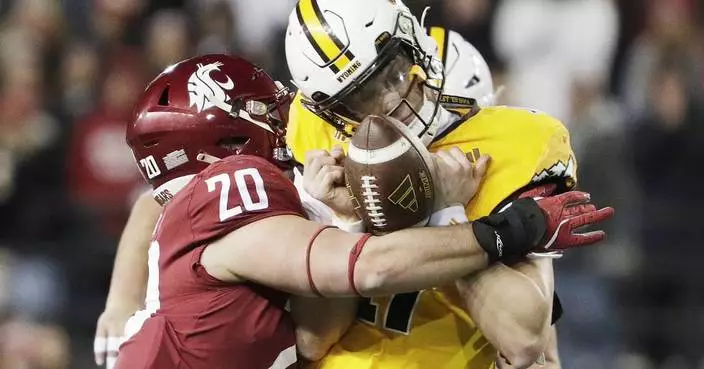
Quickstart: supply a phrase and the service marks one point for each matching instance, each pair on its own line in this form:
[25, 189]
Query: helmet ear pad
[177, 117]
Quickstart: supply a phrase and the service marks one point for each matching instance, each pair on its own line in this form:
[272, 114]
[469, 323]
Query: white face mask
[418, 126]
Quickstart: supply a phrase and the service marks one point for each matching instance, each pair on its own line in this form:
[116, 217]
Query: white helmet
[351, 59]
[467, 74]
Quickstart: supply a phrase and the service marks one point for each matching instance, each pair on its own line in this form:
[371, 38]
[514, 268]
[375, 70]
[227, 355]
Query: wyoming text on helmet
[203, 109]
[351, 59]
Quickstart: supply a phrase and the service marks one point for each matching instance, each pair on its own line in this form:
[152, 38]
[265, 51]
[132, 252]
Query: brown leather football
[389, 174]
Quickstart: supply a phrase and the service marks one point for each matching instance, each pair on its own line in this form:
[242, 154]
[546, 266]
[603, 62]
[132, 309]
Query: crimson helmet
[203, 109]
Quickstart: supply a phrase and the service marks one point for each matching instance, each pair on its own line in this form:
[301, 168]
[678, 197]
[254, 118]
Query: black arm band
[512, 233]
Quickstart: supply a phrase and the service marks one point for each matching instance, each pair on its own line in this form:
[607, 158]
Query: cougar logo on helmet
[201, 86]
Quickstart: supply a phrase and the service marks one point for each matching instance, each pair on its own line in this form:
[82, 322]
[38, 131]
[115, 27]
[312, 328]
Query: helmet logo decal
[201, 85]
[331, 49]
[175, 158]
[356, 65]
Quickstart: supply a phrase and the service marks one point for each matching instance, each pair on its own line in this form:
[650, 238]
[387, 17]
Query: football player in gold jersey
[352, 59]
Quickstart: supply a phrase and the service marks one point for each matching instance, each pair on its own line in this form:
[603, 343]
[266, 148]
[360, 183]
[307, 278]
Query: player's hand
[457, 179]
[109, 333]
[324, 179]
[566, 212]
[539, 225]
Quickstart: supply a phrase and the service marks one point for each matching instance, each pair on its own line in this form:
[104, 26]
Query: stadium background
[625, 76]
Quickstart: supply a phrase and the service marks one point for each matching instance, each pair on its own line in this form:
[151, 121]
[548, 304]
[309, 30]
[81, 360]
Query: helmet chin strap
[206, 158]
[238, 113]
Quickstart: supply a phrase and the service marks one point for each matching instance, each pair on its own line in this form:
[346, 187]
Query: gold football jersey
[430, 329]
[307, 131]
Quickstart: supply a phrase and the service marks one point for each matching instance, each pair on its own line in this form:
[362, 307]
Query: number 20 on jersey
[226, 212]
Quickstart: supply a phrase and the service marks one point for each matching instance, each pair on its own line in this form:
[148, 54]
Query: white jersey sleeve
[314, 208]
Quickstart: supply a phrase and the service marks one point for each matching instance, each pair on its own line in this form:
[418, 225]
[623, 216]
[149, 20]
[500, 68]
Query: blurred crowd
[626, 76]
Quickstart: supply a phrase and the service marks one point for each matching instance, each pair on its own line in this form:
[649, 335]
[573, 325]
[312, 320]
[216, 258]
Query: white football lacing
[371, 202]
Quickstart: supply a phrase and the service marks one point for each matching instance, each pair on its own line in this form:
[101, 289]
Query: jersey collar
[164, 193]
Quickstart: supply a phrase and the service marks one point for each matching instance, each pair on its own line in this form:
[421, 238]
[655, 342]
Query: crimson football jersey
[193, 320]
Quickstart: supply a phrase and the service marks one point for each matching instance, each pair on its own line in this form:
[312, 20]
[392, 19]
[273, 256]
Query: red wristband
[311, 284]
[354, 256]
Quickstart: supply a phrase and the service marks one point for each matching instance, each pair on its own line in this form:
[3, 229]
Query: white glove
[109, 335]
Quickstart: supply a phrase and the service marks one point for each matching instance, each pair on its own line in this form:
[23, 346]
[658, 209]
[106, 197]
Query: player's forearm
[512, 307]
[550, 359]
[433, 257]
[320, 323]
[129, 276]
[552, 355]
[333, 263]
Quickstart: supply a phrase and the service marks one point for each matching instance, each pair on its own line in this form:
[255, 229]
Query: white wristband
[356, 227]
[448, 216]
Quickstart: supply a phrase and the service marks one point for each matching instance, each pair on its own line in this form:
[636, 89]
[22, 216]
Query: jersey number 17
[399, 311]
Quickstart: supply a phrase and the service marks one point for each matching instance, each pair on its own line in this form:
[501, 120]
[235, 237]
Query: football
[389, 175]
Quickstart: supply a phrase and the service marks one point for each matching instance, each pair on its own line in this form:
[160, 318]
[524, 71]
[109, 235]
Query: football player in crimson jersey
[232, 241]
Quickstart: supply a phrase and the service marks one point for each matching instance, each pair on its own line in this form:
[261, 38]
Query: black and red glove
[540, 225]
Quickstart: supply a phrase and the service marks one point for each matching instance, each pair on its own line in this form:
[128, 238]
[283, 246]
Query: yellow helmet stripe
[439, 34]
[321, 36]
